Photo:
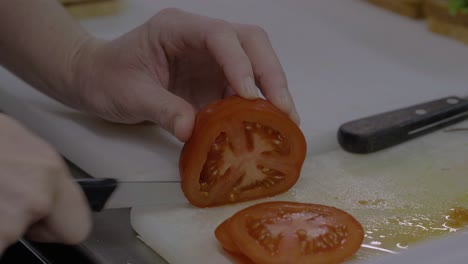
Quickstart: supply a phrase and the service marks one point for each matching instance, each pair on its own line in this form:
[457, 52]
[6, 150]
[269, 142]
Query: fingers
[37, 188]
[42, 206]
[244, 53]
[267, 68]
[223, 43]
[218, 37]
[171, 112]
[69, 220]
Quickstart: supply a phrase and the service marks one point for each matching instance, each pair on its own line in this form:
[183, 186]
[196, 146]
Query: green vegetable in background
[456, 6]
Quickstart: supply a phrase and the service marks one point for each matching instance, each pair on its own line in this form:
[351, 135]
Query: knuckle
[39, 206]
[221, 27]
[80, 231]
[163, 16]
[53, 170]
[170, 11]
[255, 30]
[36, 204]
[164, 117]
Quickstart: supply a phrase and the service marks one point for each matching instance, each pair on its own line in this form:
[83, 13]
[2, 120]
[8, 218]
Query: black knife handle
[387, 129]
[97, 191]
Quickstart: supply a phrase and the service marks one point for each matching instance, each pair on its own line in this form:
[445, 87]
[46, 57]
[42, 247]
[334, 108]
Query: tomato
[240, 150]
[224, 237]
[222, 234]
[291, 232]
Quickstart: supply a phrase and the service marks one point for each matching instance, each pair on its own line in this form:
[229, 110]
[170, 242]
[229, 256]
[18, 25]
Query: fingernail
[288, 104]
[183, 126]
[250, 90]
[295, 116]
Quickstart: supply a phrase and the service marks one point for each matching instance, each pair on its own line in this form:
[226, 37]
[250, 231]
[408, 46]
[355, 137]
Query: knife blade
[108, 193]
[377, 132]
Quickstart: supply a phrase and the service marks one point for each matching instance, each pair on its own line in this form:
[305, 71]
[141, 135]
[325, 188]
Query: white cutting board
[343, 59]
[399, 195]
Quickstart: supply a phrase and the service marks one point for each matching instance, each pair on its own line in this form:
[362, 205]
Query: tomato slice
[240, 150]
[290, 232]
[224, 237]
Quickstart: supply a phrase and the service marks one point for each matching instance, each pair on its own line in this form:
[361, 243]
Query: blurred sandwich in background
[92, 8]
[449, 18]
[410, 8]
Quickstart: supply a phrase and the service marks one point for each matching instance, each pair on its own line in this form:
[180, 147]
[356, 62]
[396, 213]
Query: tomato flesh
[289, 232]
[240, 150]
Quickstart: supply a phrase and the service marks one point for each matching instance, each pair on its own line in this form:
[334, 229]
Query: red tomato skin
[208, 124]
[251, 249]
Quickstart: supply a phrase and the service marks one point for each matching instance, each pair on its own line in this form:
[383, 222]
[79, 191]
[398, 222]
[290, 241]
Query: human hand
[169, 67]
[38, 198]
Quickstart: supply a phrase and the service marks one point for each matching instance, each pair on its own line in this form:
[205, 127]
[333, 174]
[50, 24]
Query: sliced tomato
[240, 150]
[290, 232]
[224, 237]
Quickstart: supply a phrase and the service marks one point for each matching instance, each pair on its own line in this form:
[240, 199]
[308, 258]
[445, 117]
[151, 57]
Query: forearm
[38, 42]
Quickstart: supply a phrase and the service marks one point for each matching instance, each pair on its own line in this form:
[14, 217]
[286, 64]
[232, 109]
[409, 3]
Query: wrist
[79, 69]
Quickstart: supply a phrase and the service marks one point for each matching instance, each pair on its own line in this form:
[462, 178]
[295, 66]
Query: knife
[377, 132]
[108, 193]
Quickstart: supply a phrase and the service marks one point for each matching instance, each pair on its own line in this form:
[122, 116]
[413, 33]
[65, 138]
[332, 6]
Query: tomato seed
[232, 197]
[271, 247]
[256, 225]
[277, 177]
[301, 233]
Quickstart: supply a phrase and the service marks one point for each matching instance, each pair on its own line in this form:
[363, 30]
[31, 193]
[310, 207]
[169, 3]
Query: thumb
[69, 220]
[171, 112]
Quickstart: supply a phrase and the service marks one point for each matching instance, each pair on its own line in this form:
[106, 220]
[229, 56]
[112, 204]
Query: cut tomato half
[290, 232]
[240, 150]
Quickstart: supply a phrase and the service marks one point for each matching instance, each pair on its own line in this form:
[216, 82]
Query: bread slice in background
[410, 8]
[92, 8]
[441, 21]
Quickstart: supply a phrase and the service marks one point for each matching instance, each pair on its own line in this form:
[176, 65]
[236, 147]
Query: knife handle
[97, 191]
[387, 129]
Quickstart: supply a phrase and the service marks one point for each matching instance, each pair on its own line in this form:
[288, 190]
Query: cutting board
[400, 195]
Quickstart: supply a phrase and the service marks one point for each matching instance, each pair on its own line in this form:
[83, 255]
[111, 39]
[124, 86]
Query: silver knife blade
[106, 193]
[143, 194]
